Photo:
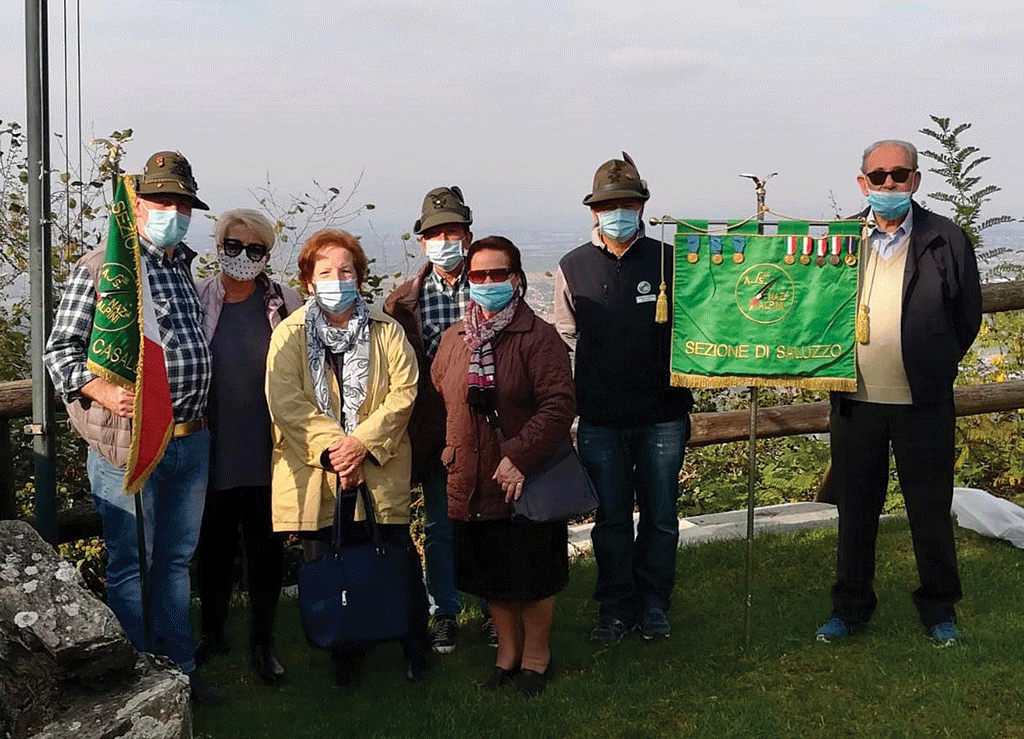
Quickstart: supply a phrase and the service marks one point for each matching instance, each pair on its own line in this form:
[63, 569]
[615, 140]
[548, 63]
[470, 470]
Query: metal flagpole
[40, 266]
[759, 186]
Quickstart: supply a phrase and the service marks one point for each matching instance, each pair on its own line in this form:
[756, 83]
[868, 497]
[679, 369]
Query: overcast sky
[519, 102]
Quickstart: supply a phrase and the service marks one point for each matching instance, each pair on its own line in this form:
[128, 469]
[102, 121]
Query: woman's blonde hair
[253, 219]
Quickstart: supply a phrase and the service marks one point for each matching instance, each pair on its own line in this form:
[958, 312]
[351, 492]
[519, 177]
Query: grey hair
[908, 148]
[252, 219]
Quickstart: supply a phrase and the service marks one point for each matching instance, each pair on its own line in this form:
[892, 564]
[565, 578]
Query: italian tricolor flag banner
[125, 347]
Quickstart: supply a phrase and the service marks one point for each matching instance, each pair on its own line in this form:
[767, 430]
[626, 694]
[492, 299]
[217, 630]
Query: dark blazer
[941, 305]
[535, 403]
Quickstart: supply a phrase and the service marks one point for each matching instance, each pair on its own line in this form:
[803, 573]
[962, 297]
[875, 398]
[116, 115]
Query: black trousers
[923, 443]
[228, 513]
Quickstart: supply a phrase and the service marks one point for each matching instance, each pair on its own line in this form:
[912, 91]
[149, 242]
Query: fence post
[8, 503]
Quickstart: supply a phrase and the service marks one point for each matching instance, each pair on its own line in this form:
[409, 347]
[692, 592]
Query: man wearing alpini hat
[633, 425]
[426, 306]
[173, 496]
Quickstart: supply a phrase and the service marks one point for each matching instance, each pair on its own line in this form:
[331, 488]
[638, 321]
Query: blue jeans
[172, 505]
[635, 465]
[437, 547]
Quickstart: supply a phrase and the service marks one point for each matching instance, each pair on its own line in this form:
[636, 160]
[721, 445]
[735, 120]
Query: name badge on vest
[645, 295]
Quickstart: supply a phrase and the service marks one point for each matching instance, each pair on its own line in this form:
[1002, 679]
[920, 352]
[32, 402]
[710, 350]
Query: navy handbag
[559, 490]
[357, 593]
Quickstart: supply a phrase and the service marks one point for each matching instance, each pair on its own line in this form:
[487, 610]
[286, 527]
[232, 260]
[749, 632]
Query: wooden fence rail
[708, 428]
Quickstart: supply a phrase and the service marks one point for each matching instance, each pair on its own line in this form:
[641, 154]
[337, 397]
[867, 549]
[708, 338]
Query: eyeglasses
[480, 276]
[233, 247]
[879, 176]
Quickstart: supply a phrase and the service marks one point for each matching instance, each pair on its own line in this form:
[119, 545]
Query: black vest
[622, 355]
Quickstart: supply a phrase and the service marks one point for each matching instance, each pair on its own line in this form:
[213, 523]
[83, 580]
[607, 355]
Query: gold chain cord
[748, 219]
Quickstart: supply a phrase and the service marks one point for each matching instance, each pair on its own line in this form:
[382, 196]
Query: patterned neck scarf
[480, 331]
[353, 345]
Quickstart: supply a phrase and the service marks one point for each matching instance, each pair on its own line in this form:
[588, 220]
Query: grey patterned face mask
[240, 267]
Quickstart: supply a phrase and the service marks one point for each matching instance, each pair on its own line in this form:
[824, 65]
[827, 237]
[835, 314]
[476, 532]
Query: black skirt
[511, 560]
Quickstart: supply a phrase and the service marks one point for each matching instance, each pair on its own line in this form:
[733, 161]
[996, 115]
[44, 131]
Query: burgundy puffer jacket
[535, 405]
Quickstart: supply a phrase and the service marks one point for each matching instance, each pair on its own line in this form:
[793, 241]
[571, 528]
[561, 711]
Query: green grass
[887, 681]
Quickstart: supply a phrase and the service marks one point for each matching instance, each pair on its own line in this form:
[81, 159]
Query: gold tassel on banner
[661, 307]
[661, 311]
[862, 328]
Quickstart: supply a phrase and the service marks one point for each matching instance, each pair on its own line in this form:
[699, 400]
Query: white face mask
[240, 267]
[335, 296]
[444, 254]
[620, 224]
[166, 228]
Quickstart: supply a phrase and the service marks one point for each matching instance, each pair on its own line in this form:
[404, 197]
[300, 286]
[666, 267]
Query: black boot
[266, 664]
[348, 667]
[212, 643]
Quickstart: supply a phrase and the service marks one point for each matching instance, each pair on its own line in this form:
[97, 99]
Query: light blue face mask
[889, 204]
[335, 296]
[492, 296]
[166, 228]
[444, 254]
[620, 224]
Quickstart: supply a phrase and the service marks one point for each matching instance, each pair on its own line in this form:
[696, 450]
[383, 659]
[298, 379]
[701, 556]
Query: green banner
[765, 310]
[115, 342]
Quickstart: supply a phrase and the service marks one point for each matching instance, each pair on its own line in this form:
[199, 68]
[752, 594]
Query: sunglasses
[479, 276]
[879, 176]
[233, 247]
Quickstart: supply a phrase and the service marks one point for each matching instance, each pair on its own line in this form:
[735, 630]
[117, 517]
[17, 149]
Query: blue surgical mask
[492, 296]
[444, 254]
[166, 228]
[889, 204]
[620, 224]
[335, 296]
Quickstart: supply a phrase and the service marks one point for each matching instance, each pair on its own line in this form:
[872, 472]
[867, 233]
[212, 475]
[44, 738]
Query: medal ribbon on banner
[807, 250]
[716, 248]
[791, 242]
[690, 234]
[738, 242]
[692, 248]
[851, 250]
[795, 232]
[837, 250]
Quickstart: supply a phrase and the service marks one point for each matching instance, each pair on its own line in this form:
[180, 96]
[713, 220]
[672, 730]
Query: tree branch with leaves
[956, 165]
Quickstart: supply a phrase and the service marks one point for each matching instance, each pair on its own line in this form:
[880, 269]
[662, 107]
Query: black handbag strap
[282, 310]
[492, 421]
[371, 516]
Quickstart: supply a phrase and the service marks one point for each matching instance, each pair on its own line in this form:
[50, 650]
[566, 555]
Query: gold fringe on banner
[821, 384]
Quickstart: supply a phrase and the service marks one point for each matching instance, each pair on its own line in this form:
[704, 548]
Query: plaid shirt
[441, 306]
[178, 313]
